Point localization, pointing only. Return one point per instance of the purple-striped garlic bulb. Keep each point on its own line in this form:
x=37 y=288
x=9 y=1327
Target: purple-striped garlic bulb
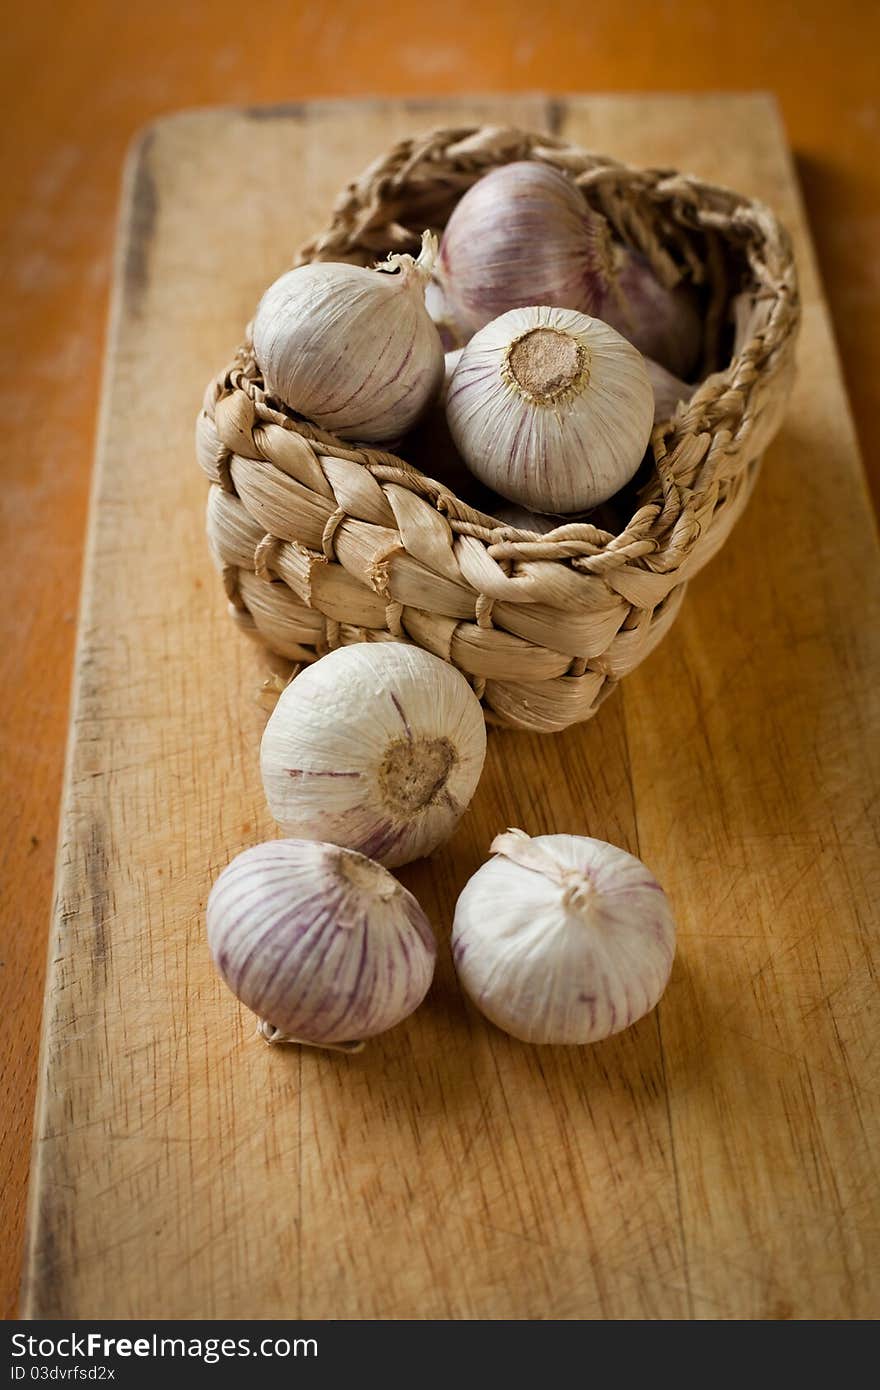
x=325 y=946
x=523 y=234
x=663 y=324
x=352 y=349
x=562 y=939
x=379 y=747
x=550 y=409
x=668 y=390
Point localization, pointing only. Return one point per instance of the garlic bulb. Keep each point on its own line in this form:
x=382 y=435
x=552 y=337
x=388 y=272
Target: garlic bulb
x=543 y=523
x=378 y=747
x=522 y=235
x=430 y=449
x=524 y=520
x=353 y=350
x=551 y=409
x=451 y=360
x=663 y=324
x=562 y=939
x=325 y=946
x=452 y=335
x=668 y=390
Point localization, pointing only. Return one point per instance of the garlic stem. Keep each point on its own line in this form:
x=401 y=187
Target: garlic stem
x=420 y=267
x=578 y=889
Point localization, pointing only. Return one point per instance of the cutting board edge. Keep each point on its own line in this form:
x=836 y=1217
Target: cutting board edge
x=555 y=104
x=124 y=236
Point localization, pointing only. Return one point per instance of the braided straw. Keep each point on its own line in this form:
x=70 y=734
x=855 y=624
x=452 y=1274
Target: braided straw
x=321 y=543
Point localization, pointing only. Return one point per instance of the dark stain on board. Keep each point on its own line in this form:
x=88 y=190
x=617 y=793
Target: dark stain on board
x=280 y=111
x=554 y=116
x=98 y=902
x=142 y=224
x=52 y=1259
x=50 y=1241
x=42 y=1292
x=423 y=108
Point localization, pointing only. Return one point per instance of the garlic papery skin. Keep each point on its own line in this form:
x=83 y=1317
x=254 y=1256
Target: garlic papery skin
x=663 y=324
x=523 y=234
x=562 y=939
x=451 y=360
x=378 y=747
x=452 y=335
x=351 y=349
x=551 y=409
x=325 y=946
x=668 y=390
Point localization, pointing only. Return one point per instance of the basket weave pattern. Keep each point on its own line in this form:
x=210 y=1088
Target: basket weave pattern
x=321 y=542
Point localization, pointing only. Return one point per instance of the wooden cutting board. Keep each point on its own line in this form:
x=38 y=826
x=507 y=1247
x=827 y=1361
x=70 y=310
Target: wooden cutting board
x=715 y=1160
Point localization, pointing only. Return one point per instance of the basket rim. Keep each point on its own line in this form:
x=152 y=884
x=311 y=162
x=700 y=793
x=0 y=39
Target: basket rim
x=679 y=484
x=725 y=212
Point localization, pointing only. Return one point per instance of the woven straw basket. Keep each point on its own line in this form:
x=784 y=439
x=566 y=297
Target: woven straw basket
x=322 y=543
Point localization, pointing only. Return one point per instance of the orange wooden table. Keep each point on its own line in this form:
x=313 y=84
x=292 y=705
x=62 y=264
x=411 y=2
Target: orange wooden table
x=80 y=80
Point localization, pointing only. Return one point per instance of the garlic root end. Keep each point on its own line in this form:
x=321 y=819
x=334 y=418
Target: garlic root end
x=274 y=1036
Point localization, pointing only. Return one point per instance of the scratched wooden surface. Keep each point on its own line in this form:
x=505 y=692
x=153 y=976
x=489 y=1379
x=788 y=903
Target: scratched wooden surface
x=716 y=1160
x=79 y=80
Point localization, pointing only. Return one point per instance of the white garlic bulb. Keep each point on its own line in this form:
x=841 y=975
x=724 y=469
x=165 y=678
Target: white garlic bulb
x=378 y=747
x=351 y=349
x=325 y=946
x=551 y=409
x=562 y=939
x=523 y=234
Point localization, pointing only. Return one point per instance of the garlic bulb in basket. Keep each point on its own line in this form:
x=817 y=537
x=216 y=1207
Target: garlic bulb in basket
x=550 y=408
x=324 y=945
x=668 y=390
x=523 y=234
x=378 y=747
x=452 y=335
x=524 y=520
x=562 y=939
x=451 y=360
x=663 y=324
x=353 y=350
